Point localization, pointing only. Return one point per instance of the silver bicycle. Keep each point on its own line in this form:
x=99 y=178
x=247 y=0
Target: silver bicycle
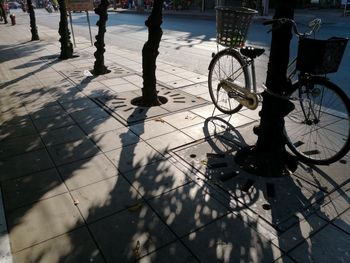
x=318 y=129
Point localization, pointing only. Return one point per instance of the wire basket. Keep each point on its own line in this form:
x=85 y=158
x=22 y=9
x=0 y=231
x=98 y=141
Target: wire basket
x=318 y=56
x=232 y=24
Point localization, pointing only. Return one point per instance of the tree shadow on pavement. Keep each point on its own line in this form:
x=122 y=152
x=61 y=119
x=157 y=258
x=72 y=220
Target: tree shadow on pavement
x=284 y=211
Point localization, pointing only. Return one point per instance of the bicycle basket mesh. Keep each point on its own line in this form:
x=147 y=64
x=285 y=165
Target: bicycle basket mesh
x=232 y=25
x=318 y=56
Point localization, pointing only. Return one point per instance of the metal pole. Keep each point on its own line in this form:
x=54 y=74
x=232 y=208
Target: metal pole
x=88 y=19
x=71 y=27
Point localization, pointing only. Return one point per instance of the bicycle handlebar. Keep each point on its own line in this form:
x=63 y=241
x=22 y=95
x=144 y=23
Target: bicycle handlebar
x=313 y=24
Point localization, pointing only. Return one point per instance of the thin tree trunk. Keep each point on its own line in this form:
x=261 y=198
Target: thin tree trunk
x=66 y=44
x=99 y=65
x=34 y=29
x=149 y=55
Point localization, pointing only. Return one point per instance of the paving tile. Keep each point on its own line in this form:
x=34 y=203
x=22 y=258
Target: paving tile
x=47 y=112
x=139 y=232
x=169 y=141
x=124 y=87
x=151 y=129
x=62 y=135
x=115 y=139
x=101 y=125
x=43 y=220
x=73 y=151
x=188 y=204
x=196 y=89
x=20 y=145
x=229 y=239
x=88 y=115
x=55 y=122
x=87 y=171
x=343 y=221
x=105 y=198
x=133 y=156
x=156 y=178
x=183 y=119
x=175 y=252
x=206 y=111
x=76 y=246
x=31 y=188
x=16 y=128
x=24 y=164
x=336 y=206
x=298 y=233
x=80 y=104
x=329 y=177
x=318 y=248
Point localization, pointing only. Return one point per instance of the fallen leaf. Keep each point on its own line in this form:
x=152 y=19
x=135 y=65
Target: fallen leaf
x=135 y=208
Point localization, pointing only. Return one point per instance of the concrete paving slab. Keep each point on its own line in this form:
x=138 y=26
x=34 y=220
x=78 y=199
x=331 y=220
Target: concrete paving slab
x=343 y=221
x=89 y=115
x=100 y=125
x=166 y=142
x=104 y=198
x=196 y=89
x=114 y=139
x=62 y=135
x=183 y=119
x=44 y=220
x=319 y=249
x=339 y=202
x=16 y=128
x=80 y=104
x=133 y=156
x=24 y=164
x=229 y=239
x=139 y=232
x=51 y=123
x=45 y=112
x=325 y=176
x=175 y=208
x=31 y=188
x=87 y=171
x=172 y=253
x=174 y=84
x=19 y=145
x=76 y=246
x=157 y=178
x=298 y=233
x=73 y=151
x=151 y=129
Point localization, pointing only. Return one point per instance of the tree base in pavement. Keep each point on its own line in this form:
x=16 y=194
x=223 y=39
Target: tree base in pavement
x=101 y=71
x=266 y=164
x=140 y=102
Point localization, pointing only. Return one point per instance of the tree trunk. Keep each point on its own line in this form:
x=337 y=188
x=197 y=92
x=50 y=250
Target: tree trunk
x=149 y=56
x=99 y=65
x=34 y=29
x=66 y=44
x=269 y=156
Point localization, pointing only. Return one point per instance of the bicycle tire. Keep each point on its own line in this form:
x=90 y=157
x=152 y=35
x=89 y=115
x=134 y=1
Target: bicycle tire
x=318 y=130
x=221 y=67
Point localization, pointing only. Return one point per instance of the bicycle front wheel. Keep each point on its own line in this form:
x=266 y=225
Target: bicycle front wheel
x=227 y=65
x=318 y=130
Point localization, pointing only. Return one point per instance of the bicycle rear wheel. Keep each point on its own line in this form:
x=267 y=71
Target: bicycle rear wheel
x=318 y=130
x=226 y=65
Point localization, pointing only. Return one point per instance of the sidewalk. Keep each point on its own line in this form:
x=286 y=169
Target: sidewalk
x=88 y=177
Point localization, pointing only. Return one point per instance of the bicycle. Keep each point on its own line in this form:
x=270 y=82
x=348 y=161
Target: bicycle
x=317 y=131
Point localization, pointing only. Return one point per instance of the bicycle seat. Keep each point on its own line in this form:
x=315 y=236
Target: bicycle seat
x=251 y=52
